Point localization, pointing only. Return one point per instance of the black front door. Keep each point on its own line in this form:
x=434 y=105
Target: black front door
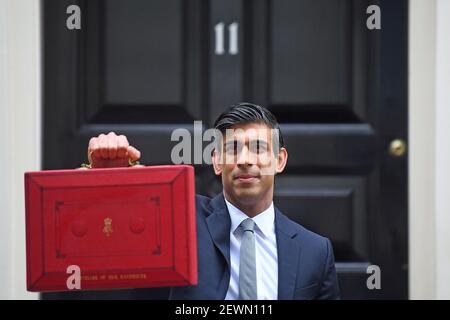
x=146 y=67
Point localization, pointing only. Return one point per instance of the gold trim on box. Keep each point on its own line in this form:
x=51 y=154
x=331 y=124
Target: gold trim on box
x=107 y=228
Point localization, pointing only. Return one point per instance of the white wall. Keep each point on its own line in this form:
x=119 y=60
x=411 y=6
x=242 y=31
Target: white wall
x=20 y=139
x=429 y=149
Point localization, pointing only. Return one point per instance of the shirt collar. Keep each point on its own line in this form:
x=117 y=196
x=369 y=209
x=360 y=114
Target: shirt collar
x=264 y=220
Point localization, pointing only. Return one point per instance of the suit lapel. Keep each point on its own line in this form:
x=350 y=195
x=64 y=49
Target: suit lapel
x=288 y=255
x=219 y=224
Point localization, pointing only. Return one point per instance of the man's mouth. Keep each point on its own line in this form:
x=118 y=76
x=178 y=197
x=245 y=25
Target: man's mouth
x=246 y=178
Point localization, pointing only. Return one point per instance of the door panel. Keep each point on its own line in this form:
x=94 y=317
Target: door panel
x=310 y=49
x=332 y=206
x=143 y=67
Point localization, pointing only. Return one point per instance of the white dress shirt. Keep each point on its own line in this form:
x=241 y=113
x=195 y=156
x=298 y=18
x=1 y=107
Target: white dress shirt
x=266 y=253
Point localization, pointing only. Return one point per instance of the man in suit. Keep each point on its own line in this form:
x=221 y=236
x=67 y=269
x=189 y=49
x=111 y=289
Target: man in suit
x=247 y=248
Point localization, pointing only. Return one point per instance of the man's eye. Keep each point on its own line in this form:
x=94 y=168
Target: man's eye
x=232 y=148
x=258 y=147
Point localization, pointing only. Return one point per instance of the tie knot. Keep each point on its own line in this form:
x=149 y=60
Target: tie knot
x=248 y=225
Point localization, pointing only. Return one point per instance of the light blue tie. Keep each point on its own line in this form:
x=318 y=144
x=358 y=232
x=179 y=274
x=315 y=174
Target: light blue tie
x=247 y=264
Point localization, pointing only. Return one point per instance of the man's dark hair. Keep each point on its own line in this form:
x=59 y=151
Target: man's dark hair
x=245 y=112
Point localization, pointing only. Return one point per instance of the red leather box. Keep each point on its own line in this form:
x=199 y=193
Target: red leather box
x=123 y=227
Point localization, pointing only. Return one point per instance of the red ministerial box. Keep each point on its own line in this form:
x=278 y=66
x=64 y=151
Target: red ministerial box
x=123 y=228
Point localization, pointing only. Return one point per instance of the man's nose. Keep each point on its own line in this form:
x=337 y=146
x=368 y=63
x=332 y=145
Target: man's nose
x=245 y=157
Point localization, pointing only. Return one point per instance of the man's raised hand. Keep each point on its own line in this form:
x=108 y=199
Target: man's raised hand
x=111 y=150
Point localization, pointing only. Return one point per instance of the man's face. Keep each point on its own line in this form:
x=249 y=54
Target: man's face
x=248 y=163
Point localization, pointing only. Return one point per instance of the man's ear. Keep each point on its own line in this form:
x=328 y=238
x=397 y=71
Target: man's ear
x=217 y=165
x=281 y=160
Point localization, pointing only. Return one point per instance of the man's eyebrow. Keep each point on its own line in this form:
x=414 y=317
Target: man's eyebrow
x=260 y=141
x=232 y=142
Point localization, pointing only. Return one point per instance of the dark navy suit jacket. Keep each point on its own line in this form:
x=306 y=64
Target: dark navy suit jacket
x=305 y=260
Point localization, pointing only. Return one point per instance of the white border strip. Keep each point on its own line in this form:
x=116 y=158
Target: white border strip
x=421 y=157
x=443 y=149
